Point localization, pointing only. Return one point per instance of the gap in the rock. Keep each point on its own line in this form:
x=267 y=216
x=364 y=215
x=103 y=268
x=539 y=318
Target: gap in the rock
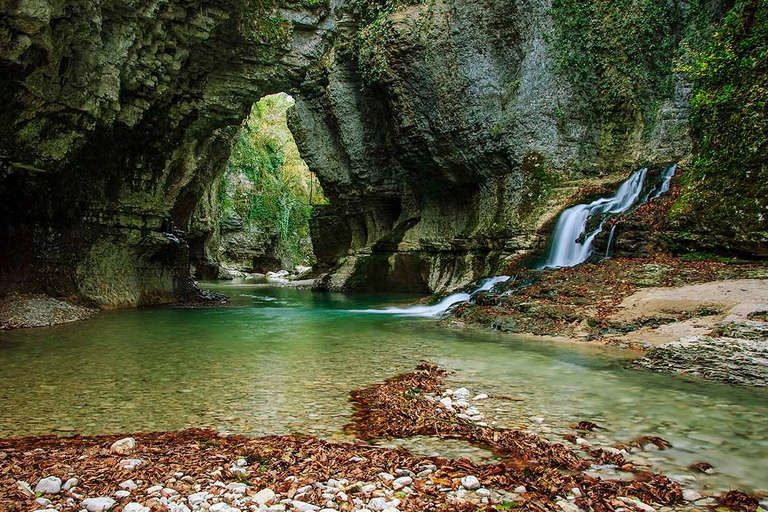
x=254 y=219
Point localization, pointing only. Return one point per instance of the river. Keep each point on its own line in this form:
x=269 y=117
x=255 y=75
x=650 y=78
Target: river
x=283 y=360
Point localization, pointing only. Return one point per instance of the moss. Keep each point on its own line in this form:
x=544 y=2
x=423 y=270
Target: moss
x=726 y=186
x=619 y=56
x=372 y=37
x=539 y=183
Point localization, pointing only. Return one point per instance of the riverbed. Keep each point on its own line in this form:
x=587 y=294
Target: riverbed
x=282 y=360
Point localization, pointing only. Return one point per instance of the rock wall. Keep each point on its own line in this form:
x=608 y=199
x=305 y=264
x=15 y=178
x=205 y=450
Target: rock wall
x=446 y=134
x=445 y=167
x=116 y=116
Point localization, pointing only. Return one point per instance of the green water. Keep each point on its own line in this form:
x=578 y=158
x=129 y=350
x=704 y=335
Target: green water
x=284 y=360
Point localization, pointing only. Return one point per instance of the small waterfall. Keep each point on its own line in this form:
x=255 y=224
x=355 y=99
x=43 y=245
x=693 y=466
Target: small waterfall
x=666 y=183
x=609 y=245
x=571 y=244
x=443 y=306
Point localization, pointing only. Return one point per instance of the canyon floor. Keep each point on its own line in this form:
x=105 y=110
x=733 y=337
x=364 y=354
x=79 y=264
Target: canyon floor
x=202 y=470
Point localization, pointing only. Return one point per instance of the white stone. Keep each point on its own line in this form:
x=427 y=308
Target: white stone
x=461 y=393
x=43 y=502
x=49 y=485
x=567 y=506
x=263 y=497
x=130 y=463
x=691 y=495
x=135 y=507
x=46 y=510
x=481 y=396
x=520 y=489
x=98 y=504
x=122 y=494
x=69 y=484
x=123 y=446
x=447 y=402
x=128 y=485
x=377 y=504
x=470 y=482
x=154 y=489
x=401 y=482
x=483 y=492
x=197 y=498
x=237 y=487
x=302 y=506
x=385 y=477
x=368 y=488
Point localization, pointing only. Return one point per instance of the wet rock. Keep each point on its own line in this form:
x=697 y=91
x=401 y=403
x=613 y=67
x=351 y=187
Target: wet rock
x=49 y=485
x=461 y=394
x=691 y=495
x=637 y=504
x=736 y=361
x=123 y=446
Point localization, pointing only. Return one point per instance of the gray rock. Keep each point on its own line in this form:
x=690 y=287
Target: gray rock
x=49 y=485
x=735 y=361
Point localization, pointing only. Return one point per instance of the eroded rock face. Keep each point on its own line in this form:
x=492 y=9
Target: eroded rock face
x=115 y=117
x=445 y=168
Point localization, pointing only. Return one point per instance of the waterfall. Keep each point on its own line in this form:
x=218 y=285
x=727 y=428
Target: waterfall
x=609 y=245
x=571 y=243
x=444 y=305
x=666 y=182
x=571 y=240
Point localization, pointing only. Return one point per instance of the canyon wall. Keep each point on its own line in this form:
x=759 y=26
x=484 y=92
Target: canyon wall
x=447 y=134
x=116 y=116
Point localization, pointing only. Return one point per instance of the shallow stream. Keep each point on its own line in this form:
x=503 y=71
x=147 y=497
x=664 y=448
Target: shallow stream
x=284 y=360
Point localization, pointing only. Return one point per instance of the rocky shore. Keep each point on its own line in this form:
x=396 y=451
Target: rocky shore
x=19 y=311
x=202 y=470
x=671 y=306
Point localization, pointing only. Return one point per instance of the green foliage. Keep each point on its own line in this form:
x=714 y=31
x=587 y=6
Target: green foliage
x=618 y=54
x=261 y=184
x=726 y=187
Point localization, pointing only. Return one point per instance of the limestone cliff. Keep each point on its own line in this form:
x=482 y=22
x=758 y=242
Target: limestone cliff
x=447 y=133
x=116 y=115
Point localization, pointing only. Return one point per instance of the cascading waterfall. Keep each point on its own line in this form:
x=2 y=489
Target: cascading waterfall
x=571 y=244
x=444 y=305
